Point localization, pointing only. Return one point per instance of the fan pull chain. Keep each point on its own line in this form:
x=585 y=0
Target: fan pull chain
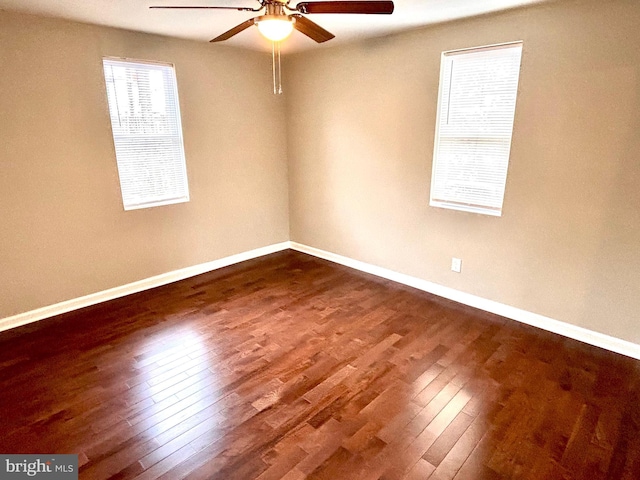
x=279 y=72
x=276 y=68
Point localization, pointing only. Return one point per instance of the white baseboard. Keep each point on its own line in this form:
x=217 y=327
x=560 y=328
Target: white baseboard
x=568 y=330
x=135 y=287
x=562 y=328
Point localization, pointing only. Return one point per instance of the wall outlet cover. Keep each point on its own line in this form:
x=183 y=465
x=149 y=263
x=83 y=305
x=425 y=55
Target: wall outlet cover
x=456 y=265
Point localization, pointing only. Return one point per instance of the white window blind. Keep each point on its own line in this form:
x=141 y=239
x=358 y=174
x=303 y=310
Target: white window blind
x=147 y=133
x=476 y=107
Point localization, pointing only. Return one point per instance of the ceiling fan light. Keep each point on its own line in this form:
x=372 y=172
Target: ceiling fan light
x=275 y=27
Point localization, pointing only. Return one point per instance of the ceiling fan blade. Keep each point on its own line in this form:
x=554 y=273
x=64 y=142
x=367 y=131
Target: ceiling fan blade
x=240 y=9
x=235 y=30
x=311 y=29
x=372 y=7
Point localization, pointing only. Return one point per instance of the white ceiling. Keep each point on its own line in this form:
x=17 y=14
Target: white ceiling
x=202 y=25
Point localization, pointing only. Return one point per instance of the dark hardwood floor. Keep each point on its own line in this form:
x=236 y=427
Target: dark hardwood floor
x=292 y=367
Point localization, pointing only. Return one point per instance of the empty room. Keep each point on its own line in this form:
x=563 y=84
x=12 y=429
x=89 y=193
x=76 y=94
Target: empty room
x=339 y=239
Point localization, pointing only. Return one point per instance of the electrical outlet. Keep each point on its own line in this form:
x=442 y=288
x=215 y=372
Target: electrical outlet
x=456 y=265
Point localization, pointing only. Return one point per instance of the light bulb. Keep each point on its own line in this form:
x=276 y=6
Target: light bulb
x=275 y=27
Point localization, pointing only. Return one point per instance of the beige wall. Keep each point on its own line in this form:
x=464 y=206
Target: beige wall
x=63 y=231
x=361 y=122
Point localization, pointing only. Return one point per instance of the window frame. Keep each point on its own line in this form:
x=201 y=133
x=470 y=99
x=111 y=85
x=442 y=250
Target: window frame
x=166 y=199
x=451 y=204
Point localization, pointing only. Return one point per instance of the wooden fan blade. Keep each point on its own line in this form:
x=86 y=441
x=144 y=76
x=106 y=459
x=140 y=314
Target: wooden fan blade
x=367 y=7
x=240 y=9
x=235 y=30
x=311 y=29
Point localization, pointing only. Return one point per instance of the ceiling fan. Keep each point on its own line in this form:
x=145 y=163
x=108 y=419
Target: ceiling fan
x=280 y=17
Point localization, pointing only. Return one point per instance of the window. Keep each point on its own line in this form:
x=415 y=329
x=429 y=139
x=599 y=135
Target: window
x=476 y=107
x=145 y=120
